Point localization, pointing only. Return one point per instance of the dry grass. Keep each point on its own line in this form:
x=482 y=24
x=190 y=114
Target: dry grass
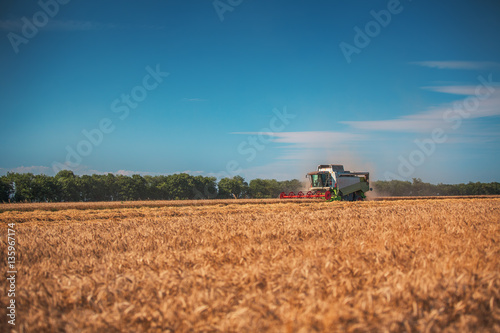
x=434 y=197
x=423 y=265
x=55 y=206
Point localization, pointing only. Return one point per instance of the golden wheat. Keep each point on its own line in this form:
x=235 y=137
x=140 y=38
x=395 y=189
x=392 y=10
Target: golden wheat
x=423 y=265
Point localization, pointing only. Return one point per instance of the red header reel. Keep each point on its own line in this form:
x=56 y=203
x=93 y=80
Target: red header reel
x=309 y=195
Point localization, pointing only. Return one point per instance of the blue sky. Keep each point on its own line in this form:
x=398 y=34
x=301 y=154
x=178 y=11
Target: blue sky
x=266 y=89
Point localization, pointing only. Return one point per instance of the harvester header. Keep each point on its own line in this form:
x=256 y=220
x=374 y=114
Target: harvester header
x=332 y=182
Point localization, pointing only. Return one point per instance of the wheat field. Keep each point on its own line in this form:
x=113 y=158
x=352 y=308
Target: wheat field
x=383 y=266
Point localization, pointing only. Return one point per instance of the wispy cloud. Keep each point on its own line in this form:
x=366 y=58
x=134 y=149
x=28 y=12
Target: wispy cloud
x=131 y=172
x=436 y=117
x=35 y=169
x=455 y=90
x=86 y=170
x=148 y=173
x=307 y=139
x=403 y=124
x=470 y=65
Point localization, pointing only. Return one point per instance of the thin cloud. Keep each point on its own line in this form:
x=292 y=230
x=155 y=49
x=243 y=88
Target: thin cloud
x=307 y=139
x=35 y=169
x=147 y=173
x=86 y=170
x=468 y=65
x=129 y=173
x=403 y=124
x=436 y=117
x=455 y=90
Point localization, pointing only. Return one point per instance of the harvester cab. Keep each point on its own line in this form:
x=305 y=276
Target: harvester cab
x=332 y=182
x=320 y=179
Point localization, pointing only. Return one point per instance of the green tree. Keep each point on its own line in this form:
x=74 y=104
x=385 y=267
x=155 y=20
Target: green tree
x=87 y=188
x=293 y=185
x=69 y=185
x=5 y=189
x=205 y=187
x=21 y=185
x=126 y=188
x=93 y=188
x=99 y=188
x=161 y=184
x=111 y=187
x=44 y=188
x=180 y=186
x=235 y=187
x=139 y=184
x=264 y=188
x=151 y=190
x=393 y=187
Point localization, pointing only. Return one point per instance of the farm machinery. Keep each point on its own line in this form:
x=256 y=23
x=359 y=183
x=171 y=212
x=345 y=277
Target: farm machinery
x=332 y=182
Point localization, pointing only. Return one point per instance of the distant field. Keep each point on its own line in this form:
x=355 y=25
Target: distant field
x=54 y=206
x=254 y=266
x=439 y=197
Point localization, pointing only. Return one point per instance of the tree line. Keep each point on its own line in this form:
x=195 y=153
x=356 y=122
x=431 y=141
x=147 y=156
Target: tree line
x=418 y=188
x=68 y=187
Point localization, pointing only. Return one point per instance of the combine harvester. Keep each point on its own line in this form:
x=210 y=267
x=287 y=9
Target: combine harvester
x=333 y=183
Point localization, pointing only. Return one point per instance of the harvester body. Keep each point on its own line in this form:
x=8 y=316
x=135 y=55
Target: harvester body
x=332 y=182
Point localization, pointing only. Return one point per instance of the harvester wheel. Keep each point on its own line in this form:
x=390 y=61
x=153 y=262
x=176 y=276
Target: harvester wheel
x=357 y=197
x=328 y=195
x=309 y=193
x=300 y=194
